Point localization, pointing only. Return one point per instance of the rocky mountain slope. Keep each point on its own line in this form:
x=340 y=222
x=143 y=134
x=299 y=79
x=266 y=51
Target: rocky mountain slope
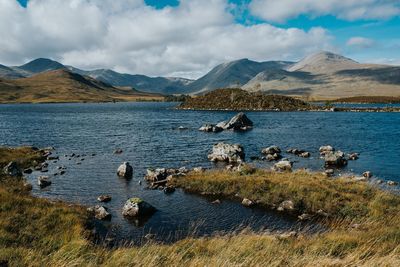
x=64 y=86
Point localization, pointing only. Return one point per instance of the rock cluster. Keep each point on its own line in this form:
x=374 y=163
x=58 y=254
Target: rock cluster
x=272 y=153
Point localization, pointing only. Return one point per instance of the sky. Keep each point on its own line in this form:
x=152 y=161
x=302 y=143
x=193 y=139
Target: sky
x=186 y=38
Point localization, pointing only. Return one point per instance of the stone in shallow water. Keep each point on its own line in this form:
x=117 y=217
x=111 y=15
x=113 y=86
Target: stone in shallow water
x=227 y=152
x=125 y=170
x=100 y=212
x=44 y=181
x=137 y=207
x=104 y=198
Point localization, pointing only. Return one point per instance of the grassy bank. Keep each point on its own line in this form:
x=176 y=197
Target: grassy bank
x=37 y=232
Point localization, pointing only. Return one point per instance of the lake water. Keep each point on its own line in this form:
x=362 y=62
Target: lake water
x=149 y=136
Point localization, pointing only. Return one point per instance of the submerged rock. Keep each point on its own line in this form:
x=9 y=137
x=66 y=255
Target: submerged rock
x=283 y=165
x=335 y=159
x=12 y=169
x=137 y=207
x=118 y=151
x=104 y=198
x=227 y=152
x=100 y=212
x=125 y=170
x=353 y=156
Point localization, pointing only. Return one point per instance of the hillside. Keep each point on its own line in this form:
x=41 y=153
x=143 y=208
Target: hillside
x=233 y=74
x=326 y=76
x=237 y=99
x=64 y=86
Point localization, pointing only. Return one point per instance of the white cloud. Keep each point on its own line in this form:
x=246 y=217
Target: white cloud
x=360 y=42
x=281 y=10
x=132 y=37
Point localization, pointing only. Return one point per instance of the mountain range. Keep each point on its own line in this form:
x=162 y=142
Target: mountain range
x=323 y=75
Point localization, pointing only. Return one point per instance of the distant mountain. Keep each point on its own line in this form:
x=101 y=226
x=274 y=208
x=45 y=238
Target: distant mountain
x=141 y=82
x=329 y=76
x=41 y=65
x=233 y=74
x=9 y=73
x=64 y=86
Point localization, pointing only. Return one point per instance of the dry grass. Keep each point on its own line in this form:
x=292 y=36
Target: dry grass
x=36 y=232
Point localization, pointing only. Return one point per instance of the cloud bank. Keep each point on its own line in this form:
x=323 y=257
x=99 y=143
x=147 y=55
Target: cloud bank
x=130 y=36
x=282 y=10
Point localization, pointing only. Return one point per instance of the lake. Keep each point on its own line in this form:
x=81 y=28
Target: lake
x=149 y=136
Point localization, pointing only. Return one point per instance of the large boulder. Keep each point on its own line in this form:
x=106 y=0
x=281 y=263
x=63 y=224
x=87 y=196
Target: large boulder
x=283 y=165
x=227 y=152
x=12 y=169
x=239 y=122
x=336 y=159
x=100 y=212
x=135 y=207
x=125 y=170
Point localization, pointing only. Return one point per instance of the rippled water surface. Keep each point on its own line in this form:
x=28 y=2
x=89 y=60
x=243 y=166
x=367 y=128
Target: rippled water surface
x=149 y=136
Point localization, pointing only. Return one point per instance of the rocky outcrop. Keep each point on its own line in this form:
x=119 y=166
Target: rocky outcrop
x=239 y=122
x=43 y=181
x=125 y=170
x=12 y=169
x=100 y=212
x=227 y=153
x=336 y=159
x=135 y=207
x=283 y=165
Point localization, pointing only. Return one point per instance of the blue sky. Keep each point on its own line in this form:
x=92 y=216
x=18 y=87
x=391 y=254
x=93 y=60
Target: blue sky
x=367 y=31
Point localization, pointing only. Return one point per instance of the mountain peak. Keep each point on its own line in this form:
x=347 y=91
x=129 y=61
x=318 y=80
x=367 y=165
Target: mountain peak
x=41 y=65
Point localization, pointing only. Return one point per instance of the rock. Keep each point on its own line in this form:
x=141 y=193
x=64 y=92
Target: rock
x=155 y=175
x=379 y=181
x=367 y=174
x=271 y=150
x=287 y=235
x=118 y=151
x=137 y=207
x=12 y=169
x=295 y=151
x=44 y=181
x=283 y=165
x=169 y=189
x=62 y=172
x=227 y=152
x=353 y=156
x=217 y=201
x=286 y=205
x=198 y=169
x=239 y=122
x=247 y=202
x=322 y=213
x=392 y=183
x=359 y=179
x=28 y=171
x=329 y=172
x=305 y=155
x=100 y=212
x=104 y=198
x=27 y=186
x=335 y=159
x=304 y=217
x=52 y=158
x=125 y=170
x=273 y=157
x=211 y=128
x=326 y=149
x=182 y=128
